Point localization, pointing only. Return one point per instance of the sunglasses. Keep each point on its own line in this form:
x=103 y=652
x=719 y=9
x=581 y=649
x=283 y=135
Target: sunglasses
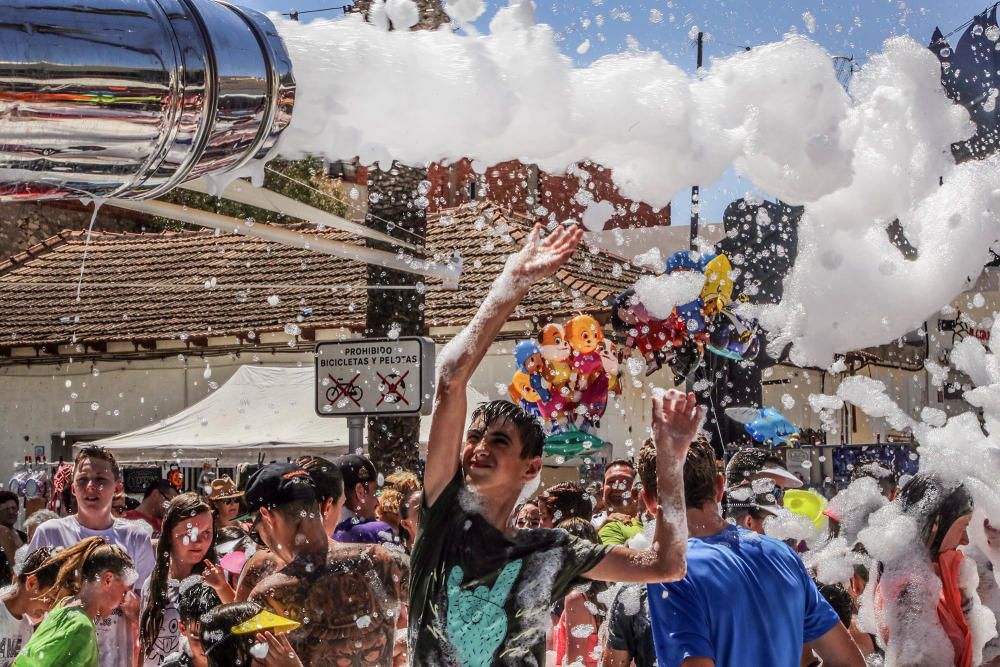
x=254 y=534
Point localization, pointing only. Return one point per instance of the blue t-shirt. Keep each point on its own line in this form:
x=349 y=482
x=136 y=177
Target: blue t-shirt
x=746 y=601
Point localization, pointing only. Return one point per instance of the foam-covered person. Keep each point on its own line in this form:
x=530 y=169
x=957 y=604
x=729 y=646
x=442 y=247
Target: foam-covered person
x=479 y=595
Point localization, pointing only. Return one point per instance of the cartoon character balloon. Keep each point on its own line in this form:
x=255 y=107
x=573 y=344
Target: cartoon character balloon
x=531 y=362
x=585 y=335
x=680 y=339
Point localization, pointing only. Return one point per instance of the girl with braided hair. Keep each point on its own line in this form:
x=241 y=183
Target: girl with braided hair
x=92 y=581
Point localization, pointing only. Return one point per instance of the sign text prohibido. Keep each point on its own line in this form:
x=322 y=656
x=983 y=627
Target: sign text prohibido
x=375 y=377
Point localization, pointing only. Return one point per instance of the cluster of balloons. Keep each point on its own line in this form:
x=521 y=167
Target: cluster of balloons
x=709 y=321
x=566 y=376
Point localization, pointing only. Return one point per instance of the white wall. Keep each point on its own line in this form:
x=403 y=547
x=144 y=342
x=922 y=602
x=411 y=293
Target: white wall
x=128 y=395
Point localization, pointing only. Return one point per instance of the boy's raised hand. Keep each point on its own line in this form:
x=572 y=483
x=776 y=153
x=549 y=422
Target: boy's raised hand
x=676 y=417
x=541 y=257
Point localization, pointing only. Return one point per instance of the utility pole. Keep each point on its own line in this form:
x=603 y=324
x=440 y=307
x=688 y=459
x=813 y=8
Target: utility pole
x=695 y=194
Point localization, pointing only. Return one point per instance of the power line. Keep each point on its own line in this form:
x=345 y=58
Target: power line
x=972 y=20
x=294 y=14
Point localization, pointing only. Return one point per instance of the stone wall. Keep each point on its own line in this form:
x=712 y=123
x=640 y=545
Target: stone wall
x=24 y=224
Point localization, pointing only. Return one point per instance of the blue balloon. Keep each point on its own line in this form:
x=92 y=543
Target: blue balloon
x=771 y=426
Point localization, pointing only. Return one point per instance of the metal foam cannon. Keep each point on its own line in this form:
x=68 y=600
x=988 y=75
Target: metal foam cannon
x=130 y=98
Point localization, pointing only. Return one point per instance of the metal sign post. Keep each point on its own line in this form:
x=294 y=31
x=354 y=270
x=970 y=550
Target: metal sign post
x=357 y=378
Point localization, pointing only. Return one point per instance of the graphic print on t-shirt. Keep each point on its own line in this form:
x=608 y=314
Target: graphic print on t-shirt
x=9 y=648
x=477 y=620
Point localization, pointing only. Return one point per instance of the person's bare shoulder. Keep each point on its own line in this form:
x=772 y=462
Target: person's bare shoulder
x=390 y=565
x=284 y=594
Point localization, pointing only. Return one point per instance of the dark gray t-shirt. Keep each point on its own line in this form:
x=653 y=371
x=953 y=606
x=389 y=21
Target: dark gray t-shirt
x=479 y=599
x=628 y=625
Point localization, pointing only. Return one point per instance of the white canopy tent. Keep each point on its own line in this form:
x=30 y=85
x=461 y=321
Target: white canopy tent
x=260 y=409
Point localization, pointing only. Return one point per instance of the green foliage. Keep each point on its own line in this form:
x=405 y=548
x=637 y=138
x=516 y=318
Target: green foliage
x=315 y=189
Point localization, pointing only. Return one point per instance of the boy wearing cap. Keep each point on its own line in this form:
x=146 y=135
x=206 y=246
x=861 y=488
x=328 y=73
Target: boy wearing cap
x=347 y=598
x=358 y=520
x=481 y=591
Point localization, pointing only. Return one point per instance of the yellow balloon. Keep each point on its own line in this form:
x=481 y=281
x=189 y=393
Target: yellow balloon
x=718 y=289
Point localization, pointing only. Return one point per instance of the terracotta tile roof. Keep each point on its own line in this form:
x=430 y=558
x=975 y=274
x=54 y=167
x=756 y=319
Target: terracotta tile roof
x=153 y=286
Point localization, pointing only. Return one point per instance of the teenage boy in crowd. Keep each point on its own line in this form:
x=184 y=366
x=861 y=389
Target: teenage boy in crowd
x=96 y=479
x=347 y=598
x=358 y=519
x=747 y=599
x=481 y=591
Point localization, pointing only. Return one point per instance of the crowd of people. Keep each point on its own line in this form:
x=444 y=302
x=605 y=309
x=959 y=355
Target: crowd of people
x=320 y=562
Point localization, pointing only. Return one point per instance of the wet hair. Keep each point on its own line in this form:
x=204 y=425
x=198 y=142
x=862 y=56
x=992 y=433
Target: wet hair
x=529 y=429
x=222 y=647
x=195 y=598
x=326 y=477
x=580 y=527
x=161 y=485
x=100 y=454
x=84 y=561
x=934 y=506
x=567 y=500
x=34 y=565
x=840 y=600
x=183 y=507
x=699 y=471
x=745 y=464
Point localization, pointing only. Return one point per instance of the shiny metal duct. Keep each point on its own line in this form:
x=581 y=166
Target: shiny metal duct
x=130 y=98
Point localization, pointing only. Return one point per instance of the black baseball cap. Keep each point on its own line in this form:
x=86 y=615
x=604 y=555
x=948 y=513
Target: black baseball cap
x=278 y=484
x=356 y=469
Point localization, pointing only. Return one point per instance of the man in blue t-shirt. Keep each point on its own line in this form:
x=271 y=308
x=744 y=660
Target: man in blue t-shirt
x=746 y=600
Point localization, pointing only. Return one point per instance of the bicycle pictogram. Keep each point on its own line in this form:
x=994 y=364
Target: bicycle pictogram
x=345 y=389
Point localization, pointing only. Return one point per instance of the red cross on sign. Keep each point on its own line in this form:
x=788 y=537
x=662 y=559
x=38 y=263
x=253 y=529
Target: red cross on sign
x=346 y=389
x=391 y=389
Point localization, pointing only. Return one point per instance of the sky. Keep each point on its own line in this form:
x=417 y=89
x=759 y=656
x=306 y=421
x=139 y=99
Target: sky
x=589 y=29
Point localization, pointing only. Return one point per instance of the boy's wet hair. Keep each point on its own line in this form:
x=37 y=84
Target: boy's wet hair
x=529 y=429
x=196 y=598
x=101 y=454
x=699 y=471
x=222 y=647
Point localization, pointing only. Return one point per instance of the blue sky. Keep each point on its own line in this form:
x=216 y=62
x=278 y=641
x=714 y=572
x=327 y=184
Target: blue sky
x=846 y=28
